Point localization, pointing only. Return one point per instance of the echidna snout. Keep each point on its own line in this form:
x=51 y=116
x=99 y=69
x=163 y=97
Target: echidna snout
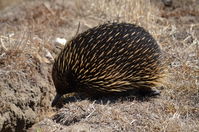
x=110 y=58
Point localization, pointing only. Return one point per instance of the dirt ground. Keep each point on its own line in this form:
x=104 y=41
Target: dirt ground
x=27 y=39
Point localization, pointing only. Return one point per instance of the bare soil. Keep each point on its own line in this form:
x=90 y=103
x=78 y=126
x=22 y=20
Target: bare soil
x=27 y=34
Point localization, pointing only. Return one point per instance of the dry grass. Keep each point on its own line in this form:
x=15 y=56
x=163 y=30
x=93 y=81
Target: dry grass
x=27 y=35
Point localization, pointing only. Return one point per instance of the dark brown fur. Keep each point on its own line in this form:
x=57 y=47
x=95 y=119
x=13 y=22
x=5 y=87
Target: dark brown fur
x=113 y=57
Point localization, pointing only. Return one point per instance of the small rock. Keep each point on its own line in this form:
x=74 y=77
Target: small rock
x=167 y=2
x=49 y=56
x=61 y=41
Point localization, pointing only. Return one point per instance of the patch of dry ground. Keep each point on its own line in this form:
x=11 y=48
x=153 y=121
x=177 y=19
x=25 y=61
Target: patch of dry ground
x=27 y=32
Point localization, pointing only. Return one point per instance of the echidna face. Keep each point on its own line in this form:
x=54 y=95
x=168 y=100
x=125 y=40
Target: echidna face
x=62 y=86
x=63 y=82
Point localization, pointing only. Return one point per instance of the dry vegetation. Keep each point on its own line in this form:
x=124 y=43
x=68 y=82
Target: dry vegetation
x=26 y=90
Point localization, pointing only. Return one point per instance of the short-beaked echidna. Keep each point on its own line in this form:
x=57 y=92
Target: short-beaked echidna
x=113 y=57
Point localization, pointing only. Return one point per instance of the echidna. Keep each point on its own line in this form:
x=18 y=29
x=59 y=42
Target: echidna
x=110 y=58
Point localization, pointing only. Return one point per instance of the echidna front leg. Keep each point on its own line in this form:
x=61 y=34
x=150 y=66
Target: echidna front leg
x=146 y=91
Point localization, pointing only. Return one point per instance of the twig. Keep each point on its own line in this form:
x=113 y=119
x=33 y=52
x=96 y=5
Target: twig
x=3 y=46
x=78 y=27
